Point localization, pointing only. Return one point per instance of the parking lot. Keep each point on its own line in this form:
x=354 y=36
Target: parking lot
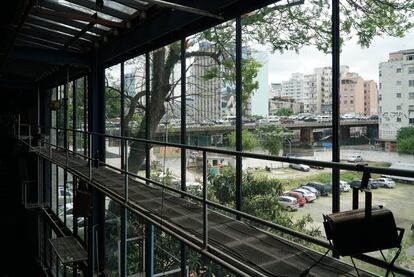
x=399 y=200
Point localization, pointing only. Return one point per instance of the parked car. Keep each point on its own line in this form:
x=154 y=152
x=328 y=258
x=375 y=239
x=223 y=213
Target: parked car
x=299 y=197
x=343 y=186
x=288 y=203
x=301 y=167
x=311 y=189
x=61 y=195
x=321 y=187
x=309 y=196
x=355 y=158
x=385 y=182
x=357 y=184
x=316 y=166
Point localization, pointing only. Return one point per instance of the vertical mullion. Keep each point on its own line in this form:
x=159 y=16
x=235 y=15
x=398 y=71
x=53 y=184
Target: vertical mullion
x=238 y=114
x=183 y=140
x=147 y=113
x=85 y=119
x=75 y=113
x=149 y=234
x=124 y=211
x=335 y=103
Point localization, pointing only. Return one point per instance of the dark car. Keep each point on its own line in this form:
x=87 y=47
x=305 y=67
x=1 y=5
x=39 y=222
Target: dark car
x=357 y=184
x=321 y=187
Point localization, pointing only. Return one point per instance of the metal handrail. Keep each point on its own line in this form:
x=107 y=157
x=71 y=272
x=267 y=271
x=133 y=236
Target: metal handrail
x=333 y=165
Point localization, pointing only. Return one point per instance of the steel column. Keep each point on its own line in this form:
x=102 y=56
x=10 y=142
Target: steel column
x=149 y=250
x=124 y=165
x=75 y=113
x=335 y=104
x=149 y=230
x=183 y=140
x=239 y=114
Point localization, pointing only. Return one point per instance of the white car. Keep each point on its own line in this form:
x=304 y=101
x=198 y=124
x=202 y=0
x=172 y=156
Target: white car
x=309 y=196
x=385 y=182
x=289 y=203
x=301 y=167
x=355 y=158
x=344 y=186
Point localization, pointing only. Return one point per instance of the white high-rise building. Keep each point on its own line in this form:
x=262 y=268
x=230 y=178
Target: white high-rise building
x=396 y=94
x=259 y=98
x=317 y=90
x=293 y=88
x=204 y=94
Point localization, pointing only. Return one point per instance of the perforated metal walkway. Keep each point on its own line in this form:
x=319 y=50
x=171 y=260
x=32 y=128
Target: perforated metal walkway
x=269 y=254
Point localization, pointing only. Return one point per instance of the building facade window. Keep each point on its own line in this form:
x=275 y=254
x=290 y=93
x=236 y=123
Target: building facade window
x=398 y=95
x=411 y=95
x=411 y=120
x=398 y=107
x=398 y=119
x=411 y=70
x=398 y=70
x=398 y=83
x=411 y=83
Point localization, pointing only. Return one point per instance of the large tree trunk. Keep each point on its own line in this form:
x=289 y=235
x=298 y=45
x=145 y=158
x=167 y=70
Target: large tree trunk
x=163 y=63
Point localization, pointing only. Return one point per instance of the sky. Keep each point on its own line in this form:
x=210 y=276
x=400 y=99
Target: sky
x=362 y=61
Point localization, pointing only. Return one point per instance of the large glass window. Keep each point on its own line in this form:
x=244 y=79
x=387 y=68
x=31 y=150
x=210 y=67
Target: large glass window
x=113 y=115
x=112 y=236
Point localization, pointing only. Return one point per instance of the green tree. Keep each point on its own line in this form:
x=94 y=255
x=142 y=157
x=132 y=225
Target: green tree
x=249 y=142
x=271 y=137
x=284 y=112
x=405 y=140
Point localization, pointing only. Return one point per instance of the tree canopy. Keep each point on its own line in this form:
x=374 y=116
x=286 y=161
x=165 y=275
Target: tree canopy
x=271 y=137
x=405 y=140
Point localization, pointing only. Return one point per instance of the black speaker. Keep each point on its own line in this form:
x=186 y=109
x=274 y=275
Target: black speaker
x=362 y=230
x=351 y=232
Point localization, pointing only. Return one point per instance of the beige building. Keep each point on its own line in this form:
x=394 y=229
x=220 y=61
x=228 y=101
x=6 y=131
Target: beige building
x=370 y=98
x=276 y=103
x=352 y=93
x=357 y=95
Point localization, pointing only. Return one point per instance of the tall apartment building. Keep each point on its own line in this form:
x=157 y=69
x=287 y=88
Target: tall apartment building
x=370 y=98
x=293 y=88
x=205 y=94
x=396 y=94
x=352 y=94
x=317 y=90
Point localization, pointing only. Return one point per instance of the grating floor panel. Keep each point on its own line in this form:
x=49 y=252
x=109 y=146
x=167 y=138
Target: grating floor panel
x=272 y=255
x=68 y=249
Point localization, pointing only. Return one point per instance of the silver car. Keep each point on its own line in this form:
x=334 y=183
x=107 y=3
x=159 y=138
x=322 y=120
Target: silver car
x=289 y=203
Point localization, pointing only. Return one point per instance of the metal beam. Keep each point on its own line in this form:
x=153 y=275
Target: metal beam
x=80 y=34
x=58 y=27
x=25 y=14
x=105 y=10
x=72 y=23
x=76 y=15
x=166 y=4
x=56 y=57
x=132 y=4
